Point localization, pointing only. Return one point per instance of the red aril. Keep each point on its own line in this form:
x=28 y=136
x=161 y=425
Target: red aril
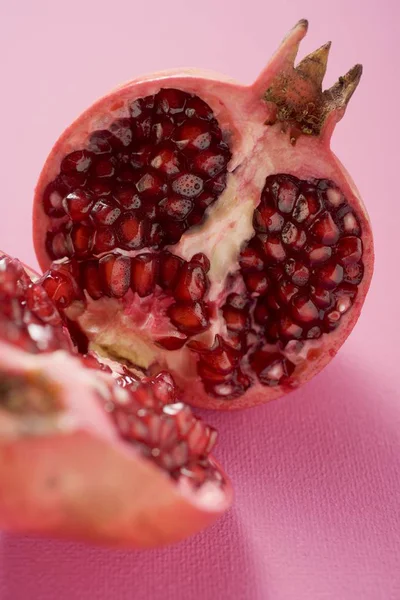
x=216 y=216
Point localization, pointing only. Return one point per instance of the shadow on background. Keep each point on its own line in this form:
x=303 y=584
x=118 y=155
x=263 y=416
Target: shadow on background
x=317 y=478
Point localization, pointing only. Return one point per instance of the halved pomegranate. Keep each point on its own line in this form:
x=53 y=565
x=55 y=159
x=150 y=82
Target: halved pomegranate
x=91 y=449
x=197 y=225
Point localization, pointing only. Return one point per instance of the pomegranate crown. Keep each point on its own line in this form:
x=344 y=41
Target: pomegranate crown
x=300 y=104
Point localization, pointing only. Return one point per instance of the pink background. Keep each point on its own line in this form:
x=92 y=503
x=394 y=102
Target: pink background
x=317 y=475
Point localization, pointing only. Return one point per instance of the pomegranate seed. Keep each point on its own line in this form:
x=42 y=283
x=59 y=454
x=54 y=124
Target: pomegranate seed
x=197 y=438
x=170 y=266
x=273 y=249
x=271 y=368
x=140 y=157
x=345 y=295
x=191 y=284
x=353 y=273
x=314 y=333
x=115 y=274
x=156 y=235
x=194 y=134
x=189 y=318
x=131 y=232
x=261 y=312
x=236 y=320
x=289 y=330
x=334 y=196
x=164 y=388
x=72 y=181
x=188 y=185
x=151 y=185
x=256 y=282
x=176 y=207
x=127 y=197
x=40 y=305
x=171 y=101
x=250 y=258
x=126 y=175
x=318 y=254
x=105 y=168
x=144 y=274
x=99 y=187
x=138 y=107
x=104 y=240
x=220 y=357
x=77 y=204
x=349 y=249
x=77 y=162
x=329 y=275
x=171 y=343
x=321 y=297
x=286 y=291
x=60 y=288
x=105 y=212
x=350 y=224
x=325 y=230
x=304 y=310
x=122 y=131
x=298 y=273
x=211 y=162
x=202 y=260
x=267 y=219
x=101 y=142
x=162 y=129
x=82 y=239
x=166 y=159
x=286 y=196
x=58 y=244
x=195 y=107
x=90 y=279
x=209 y=375
x=52 y=199
x=184 y=418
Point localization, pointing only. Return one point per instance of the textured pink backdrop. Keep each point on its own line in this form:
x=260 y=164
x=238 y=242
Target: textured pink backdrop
x=317 y=475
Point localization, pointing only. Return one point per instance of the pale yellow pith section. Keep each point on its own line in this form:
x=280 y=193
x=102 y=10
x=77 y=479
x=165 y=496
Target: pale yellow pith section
x=114 y=335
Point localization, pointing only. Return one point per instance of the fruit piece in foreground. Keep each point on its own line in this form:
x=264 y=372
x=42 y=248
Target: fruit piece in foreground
x=206 y=227
x=88 y=451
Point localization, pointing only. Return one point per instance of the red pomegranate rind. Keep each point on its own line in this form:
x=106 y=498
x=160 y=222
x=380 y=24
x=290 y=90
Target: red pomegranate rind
x=84 y=453
x=274 y=260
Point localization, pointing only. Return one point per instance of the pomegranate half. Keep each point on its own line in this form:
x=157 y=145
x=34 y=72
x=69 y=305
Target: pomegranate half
x=192 y=224
x=88 y=450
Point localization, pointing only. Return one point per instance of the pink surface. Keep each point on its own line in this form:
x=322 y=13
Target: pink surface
x=317 y=475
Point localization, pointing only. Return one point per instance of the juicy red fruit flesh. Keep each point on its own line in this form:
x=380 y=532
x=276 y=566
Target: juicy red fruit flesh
x=147 y=179
x=301 y=272
x=308 y=247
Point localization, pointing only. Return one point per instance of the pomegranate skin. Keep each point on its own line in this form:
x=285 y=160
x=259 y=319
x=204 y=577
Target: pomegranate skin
x=263 y=141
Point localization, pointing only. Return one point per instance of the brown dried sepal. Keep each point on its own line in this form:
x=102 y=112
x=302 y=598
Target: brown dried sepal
x=301 y=105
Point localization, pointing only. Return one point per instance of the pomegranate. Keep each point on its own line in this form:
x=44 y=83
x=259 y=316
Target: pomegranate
x=91 y=449
x=192 y=224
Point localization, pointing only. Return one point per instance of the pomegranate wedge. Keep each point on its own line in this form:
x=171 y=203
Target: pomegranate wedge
x=93 y=450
